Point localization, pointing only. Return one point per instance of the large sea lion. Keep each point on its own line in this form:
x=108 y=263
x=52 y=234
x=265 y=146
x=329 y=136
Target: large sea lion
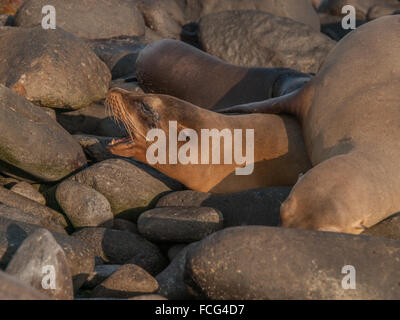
x=350 y=114
x=174 y=68
x=279 y=151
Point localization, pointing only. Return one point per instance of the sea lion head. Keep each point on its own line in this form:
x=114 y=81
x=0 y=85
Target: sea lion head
x=137 y=114
x=140 y=113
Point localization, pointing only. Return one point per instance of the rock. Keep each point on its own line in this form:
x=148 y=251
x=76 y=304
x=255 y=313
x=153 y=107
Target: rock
x=125 y=225
x=19 y=215
x=252 y=207
x=28 y=191
x=389 y=228
x=152 y=263
x=363 y=7
x=100 y=273
x=84 y=206
x=171 y=280
x=54 y=69
x=151 y=297
x=15 y=200
x=174 y=250
x=129 y=186
x=90 y=19
x=265 y=263
x=14 y=289
x=297 y=10
x=32 y=145
x=39 y=261
x=162 y=16
x=95 y=147
x=119 y=54
x=79 y=256
x=128 y=281
x=113 y=246
x=253 y=38
x=179 y=224
x=93 y=120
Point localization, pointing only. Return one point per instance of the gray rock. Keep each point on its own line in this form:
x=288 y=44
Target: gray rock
x=297 y=10
x=129 y=186
x=174 y=250
x=125 y=225
x=388 y=228
x=32 y=262
x=14 y=289
x=84 y=206
x=19 y=215
x=91 y=19
x=79 y=256
x=259 y=39
x=152 y=263
x=252 y=207
x=171 y=280
x=100 y=273
x=32 y=145
x=179 y=224
x=15 y=200
x=95 y=147
x=113 y=246
x=164 y=17
x=119 y=54
x=54 y=68
x=94 y=120
x=265 y=263
x=128 y=281
x=28 y=191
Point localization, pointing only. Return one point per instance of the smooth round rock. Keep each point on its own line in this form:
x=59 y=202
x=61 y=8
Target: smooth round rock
x=90 y=19
x=259 y=39
x=100 y=273
x=179 y=224
x=22 y=216
x=54 y=68
x=130 y=187
x=125 y=225
x=113 y=246
x=13 y=289
x=265 y=263
x=152 y=263
x=251 y=207
x=84 y=206
x=32 y=145
x=40 y=257
x=128 y=281
x=28 y=191
x=388 y=228
x=79 y=255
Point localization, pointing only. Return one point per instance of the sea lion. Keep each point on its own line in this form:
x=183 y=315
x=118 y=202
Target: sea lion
x=174 y=68
x=350 y=114
x=279 y=152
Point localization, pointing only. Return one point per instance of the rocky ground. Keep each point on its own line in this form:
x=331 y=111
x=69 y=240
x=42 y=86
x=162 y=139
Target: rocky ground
x=111 y=227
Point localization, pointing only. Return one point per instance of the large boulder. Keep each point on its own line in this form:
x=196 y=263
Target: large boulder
x=260 y=39
x=33 y=145
x=298 y=10
x=51 y=68
x=277 y=263
x=91 y=19
x=129 y=186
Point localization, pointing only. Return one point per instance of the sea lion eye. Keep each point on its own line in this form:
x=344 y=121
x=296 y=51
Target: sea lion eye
x=146 y=109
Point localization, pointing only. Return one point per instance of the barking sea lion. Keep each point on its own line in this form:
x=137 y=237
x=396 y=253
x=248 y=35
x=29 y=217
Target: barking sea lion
x=279 y=151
